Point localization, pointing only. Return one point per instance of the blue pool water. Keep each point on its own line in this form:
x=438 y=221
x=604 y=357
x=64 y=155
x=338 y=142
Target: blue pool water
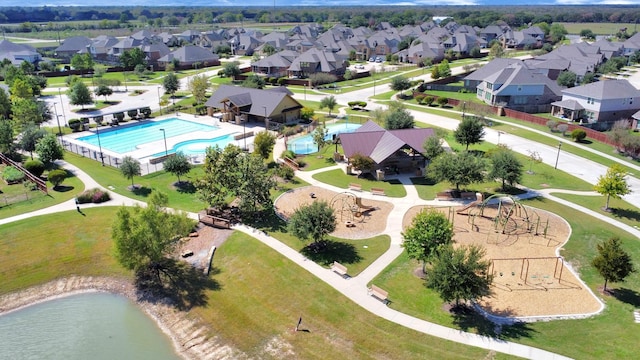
x=127 y=138
x=199 y=146
x=304 y=144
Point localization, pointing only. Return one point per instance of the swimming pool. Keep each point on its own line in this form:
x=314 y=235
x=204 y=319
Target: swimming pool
x=199 y=146
x=305 y=145
x=128 y=138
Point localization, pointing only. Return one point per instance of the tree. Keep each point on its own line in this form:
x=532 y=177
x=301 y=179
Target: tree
x=103 y=90
x=429 y=231
x=314 y=221
x=612 y=262
x=129 y=168
x=198 y=85
x=319 y=136
x=231 y=69
x=443 y=69
x=435 y=73
x=130 y=58
x=178 y=164
x=30 y=136
x=567 y=78
x=56 y=177
x=400 y=83
x=82 y=62
x=505 y=166
x=171 y=84
x=460 y=274
x=268 y=49
x=398 y=117
x=458 y=169
x=613 y=184
x=145 y=237
x=469 y=131
x=496 y=50
x=328 y=102
x=254 y=81
x=557 y=32
x=79 y=94
x=588 y=78
x=26 y=111
x=587 y=34
x=49 y=150
x=433 y=147
x=5 y=105
x=263 y=144
x=6 y=137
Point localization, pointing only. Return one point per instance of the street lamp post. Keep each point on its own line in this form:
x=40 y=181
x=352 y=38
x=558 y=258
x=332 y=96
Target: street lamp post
x=159 y=100
x=55 y=112
x=62 y=106
x=558 y=156
x=305 y=92
x=99 y=144
x=464 y=108
x=164 y=135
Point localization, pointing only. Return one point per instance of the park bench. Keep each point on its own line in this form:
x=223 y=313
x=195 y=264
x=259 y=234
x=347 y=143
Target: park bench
x=379 y=294
x=377 y=191
x=214 y=221
x=355 y=187
x=339 y=269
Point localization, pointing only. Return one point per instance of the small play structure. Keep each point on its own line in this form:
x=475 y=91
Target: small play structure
x=348 y=207
x=508 y=216
x=544 y=273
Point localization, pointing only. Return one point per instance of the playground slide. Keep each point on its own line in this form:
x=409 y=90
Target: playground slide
x=468 y=206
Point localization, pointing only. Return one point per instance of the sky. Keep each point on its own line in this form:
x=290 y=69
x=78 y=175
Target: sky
x=282 y=3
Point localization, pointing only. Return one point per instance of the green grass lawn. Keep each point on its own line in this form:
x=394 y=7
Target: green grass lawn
x=337 y=177
x=568 y=337
x=45 y=248
x=620 y=210
x=111 y=178
x=16 y=199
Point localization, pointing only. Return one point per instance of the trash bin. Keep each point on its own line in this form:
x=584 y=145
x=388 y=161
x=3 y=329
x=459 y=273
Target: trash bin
x=380 y=175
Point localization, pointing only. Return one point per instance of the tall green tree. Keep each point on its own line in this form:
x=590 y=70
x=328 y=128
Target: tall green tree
x=82 y=62
x=319 y=136
x=6 y=137
x=129 y=168
x=198 y=85
x=145 y=237
x=263 y=144
x=433 y=147
x=328 y=102
x=178 y=164
x=171 y=84
x=398 y=117
x=460 y=274
x=30 y=136
x=49 y=150
x=231 y=69
x=612 y=262
x=567 y=78
x=613 y=183
x=400 y=83
x=130 y=58
x=103 y=90
x=458 y=169
x=505 y=166
x=315 y=221
x=5 y=105
x=79 y=94
x=469 y=131
x=429 y=231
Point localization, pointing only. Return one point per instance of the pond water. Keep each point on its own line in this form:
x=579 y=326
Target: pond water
x=92 y=326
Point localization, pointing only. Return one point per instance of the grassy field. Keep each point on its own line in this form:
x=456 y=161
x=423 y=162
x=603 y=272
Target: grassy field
x=16 y=199
x=598 y=28
x=258 y=290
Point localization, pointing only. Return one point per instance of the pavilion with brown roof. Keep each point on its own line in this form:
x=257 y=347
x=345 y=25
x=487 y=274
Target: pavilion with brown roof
x=391 y=150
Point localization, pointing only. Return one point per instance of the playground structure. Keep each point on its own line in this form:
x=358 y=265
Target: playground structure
x=507 y=215
x=533 y=273
x=348 y=207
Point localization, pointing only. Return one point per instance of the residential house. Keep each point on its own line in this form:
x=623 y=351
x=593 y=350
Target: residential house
x=100 y=47
x=241 y=104
x=582 y=57
x=600 y=103
x=632 y=44
x=189 y=36
x=391 y=150
x=168 y=39
x=519 y=40
x=243 y=44
x=276 y=65
x=416 y=54
x=519 y=87
x=71 y=46
x=474 y=79
x=315 y=61
x=17 y=53
x=212 y=40
x=190 y=55
x=462 y=43
x=154 y=51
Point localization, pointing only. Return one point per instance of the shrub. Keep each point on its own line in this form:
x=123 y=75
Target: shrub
x=420 y=98
x=132 y=113
x=94 y=195
x=34 y=166
x=12 y=175
x=562 y=128
x=428 y=100
x=578 y=135
x=56 y=177
x=119 y=116
x=288 y=154
x=146 y=112
x=285 y=172
x=75 y=124
x=442 y=101
x=282 y=81
x=552 y=124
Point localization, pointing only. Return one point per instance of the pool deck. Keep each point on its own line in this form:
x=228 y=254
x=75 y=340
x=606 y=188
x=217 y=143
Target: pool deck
x=146 y=151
